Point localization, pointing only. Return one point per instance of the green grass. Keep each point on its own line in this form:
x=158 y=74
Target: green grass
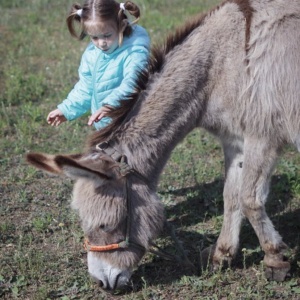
x=41 y=253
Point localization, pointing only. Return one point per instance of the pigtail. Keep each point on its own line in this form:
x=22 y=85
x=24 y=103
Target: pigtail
x=75 y=15
x=132 y=9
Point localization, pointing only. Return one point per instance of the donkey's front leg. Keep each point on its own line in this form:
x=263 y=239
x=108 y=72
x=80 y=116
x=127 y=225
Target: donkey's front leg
x=228 y=241
x=259 y=159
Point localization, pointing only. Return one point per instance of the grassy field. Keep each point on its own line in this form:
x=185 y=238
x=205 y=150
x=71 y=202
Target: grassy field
x=41 y=253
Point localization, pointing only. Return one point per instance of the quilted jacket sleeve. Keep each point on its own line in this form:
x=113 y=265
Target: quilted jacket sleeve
x=79 y=99
x=134 y=63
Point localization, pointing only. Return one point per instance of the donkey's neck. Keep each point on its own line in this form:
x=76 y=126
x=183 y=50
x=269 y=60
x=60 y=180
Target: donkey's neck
x=172 y=107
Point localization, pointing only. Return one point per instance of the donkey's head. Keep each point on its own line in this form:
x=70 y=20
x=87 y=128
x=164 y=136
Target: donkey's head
x=120 y=213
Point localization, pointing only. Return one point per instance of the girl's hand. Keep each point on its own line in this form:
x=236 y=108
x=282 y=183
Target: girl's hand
x=99 y=114
x=55 y=118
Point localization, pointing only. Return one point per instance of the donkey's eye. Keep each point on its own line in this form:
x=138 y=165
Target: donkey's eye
x=105 y=228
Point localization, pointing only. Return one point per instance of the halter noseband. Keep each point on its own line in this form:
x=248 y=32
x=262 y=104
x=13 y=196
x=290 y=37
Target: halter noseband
x=94 y=248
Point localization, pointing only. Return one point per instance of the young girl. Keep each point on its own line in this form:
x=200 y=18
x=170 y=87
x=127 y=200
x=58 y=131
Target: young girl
x=110 y=63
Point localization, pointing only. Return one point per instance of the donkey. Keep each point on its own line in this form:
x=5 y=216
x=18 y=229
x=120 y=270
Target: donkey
x=233 y=71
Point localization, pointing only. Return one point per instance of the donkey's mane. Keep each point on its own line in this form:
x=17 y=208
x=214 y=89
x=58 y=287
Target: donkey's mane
x=155 y=64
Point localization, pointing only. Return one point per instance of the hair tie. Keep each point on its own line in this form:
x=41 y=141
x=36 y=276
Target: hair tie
x=79 y=12
x=122 y=6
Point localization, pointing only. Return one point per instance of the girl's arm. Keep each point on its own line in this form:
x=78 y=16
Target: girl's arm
x=78 y=101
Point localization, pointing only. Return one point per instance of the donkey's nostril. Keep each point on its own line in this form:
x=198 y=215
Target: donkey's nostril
x=100 y=283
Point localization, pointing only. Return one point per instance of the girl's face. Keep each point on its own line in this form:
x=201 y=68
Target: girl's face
x=104 y=35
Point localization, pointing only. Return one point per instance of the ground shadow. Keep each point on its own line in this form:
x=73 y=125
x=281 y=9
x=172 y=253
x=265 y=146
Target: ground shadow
x=202 y=202
x=207 y=203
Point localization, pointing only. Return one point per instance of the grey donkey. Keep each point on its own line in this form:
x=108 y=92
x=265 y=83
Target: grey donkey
x=235 y=72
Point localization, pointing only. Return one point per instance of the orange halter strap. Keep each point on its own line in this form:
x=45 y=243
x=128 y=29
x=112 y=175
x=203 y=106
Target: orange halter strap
x=94 y=248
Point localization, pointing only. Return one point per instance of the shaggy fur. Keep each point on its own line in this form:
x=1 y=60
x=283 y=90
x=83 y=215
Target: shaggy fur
x=233 y=71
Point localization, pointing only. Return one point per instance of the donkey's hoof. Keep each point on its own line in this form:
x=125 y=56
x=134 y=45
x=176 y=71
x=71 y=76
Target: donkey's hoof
x=277 y=274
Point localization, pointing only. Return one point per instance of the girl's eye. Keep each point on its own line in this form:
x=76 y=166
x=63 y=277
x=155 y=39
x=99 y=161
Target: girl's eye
x=95 y=38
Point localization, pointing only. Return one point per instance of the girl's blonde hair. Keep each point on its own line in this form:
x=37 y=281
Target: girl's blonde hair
x=102 y=10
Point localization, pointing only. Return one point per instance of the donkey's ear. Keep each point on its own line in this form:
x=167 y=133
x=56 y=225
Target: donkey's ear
x=70 y=165
x=80 y=169
x=43 y=162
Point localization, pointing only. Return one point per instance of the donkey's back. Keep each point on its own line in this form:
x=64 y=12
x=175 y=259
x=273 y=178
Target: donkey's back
x=255 y=71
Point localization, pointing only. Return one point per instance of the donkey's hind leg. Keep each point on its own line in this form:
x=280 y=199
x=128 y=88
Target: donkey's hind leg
x=259 y=160
x=228 y=241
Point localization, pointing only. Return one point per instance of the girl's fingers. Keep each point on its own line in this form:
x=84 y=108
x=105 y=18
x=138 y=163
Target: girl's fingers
x=57 y=121
x=49 y=119
x=96 y=117
x=100 y=117
x=91 y=120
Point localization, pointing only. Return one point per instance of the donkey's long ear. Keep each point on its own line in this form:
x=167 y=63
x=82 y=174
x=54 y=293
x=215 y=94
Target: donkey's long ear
x=81 y=169
x=73 y=166
x=43 y=162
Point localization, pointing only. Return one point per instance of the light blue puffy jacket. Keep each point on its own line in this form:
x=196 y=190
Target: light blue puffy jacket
x=105 y=79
